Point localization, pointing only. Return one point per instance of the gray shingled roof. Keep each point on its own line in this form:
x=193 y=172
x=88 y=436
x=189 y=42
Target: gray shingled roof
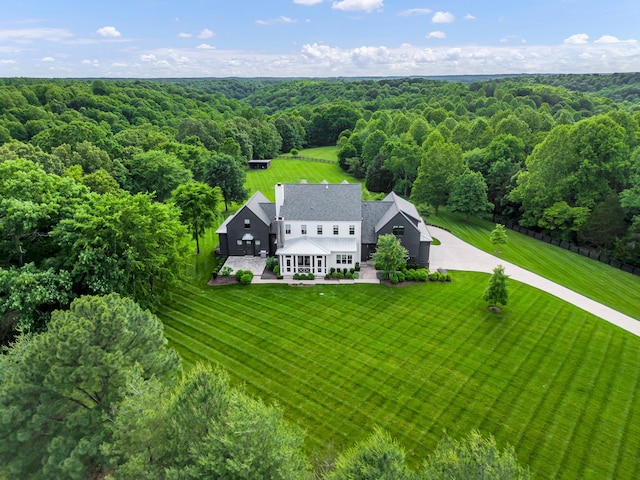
x=255 y=205
x=372 y=212
x=322 y=202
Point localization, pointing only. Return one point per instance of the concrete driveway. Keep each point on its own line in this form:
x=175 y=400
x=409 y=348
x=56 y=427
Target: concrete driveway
x=454 y=254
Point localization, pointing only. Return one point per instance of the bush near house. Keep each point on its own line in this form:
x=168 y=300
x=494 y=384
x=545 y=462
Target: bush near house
x=244 y=277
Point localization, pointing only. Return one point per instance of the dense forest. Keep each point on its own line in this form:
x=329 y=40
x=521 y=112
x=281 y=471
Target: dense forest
x=103 y=181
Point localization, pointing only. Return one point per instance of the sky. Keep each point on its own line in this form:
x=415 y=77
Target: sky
x=316 y=38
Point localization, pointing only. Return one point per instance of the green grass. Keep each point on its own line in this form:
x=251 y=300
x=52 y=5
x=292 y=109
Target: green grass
x=293 y=171
x=557 y=383
x=598 y=281
x=324 y=153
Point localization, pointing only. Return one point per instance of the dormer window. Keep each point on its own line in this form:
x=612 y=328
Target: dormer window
x=303 y=229
x=352 y=229
x=319 y=230
x=398 y=230
x=336 y=230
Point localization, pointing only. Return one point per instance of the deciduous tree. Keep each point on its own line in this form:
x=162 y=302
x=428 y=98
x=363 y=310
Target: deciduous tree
x=225 y=172
x=198 y=204
x=469 y=195
x=390 y=255
x=499 y=236
x=496 y=292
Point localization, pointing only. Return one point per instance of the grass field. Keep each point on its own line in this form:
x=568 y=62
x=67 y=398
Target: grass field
x=603 y=283
x=324 y=153
x=557 y=383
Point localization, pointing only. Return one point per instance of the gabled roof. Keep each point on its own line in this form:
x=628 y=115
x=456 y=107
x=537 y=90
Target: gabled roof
x=259 y=205
x=372 y=212
x=404 y=206
x=322 y=202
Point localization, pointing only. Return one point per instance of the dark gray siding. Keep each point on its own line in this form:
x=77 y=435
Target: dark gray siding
x=224 y=247
x=236 y=230
x=411 y=238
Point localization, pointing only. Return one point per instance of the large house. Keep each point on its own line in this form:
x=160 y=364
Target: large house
x=313 y=227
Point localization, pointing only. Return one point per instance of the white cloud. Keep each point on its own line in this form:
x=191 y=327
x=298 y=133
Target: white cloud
x=414 y=11
x=185 y=35
x=119 y=64
x=468 y=16
x=48 y=59
x=93 y=62
x=577 y=39
x=274 y=21
x=148 y=58
x=206 y=33
x=443 y=17
x=109 y=32
x=7 y=62
x=307 y=2
x=25 y=35
x=358 y=5
x=436 y=34
x=205 y=46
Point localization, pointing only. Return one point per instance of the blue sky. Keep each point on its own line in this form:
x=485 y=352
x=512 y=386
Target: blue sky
x=316 y=38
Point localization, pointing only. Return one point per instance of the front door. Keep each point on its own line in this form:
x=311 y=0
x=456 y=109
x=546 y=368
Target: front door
x=248 y=247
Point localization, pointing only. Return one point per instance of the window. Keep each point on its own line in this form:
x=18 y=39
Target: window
x=287 y=229
x=258 y=242
x=319 y=262
x=247 y=223
x=336 y=230
x=344 y=259
x=303 y=229
x=319 y=229
x=352 y=229
x=398 y=230
x=239 y=242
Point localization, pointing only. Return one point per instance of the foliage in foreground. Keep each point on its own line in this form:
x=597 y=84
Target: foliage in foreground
x=390 y=255
x=57 y=388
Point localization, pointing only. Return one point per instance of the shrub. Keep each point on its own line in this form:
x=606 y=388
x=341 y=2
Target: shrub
x=394 y=278
x=338 y=275
x=410 y=275
x=272 y=262
x=296 y=276
x=279 y=277
x=276 y=270
x=351 y=270
x=434 y=277
x=311 y=276
x=377 y=266
x=345 y=270
x=332 y=270
x=446 y=277
x=357 y=266
x=349 y=275
x=327 y=276
x=246 y=278
x=401 y=276
x=356 y=275
x=239 y=274
x=294 y=151
x=422 y=275
x=226 y=271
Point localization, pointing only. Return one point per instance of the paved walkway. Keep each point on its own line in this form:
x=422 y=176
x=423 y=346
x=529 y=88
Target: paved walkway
x=454 y=254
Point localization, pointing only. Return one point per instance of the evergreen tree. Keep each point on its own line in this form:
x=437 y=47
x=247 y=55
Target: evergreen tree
x=499 y=236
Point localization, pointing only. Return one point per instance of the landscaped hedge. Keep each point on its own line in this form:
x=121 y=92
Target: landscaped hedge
x=244 y=277
x=304 y=276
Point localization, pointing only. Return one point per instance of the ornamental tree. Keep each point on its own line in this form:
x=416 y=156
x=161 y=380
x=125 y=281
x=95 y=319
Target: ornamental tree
x=499 y=236
x=496 y=292
x=390 y=254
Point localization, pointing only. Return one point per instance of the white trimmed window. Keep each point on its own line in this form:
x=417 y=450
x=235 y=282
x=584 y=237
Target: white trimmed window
x=303 y=229
x=247 y=223
x=352 y=229
x=287 y=229
x=344 y=259
x=319 y=229
x=336 y=230
x=398 y=230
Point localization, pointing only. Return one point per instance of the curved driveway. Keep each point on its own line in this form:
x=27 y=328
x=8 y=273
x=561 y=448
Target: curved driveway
x=454 y=254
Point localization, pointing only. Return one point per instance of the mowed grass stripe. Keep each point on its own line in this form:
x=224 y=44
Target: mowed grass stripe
x=415 y=360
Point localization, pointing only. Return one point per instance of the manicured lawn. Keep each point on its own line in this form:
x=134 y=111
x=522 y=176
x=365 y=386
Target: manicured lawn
x=603 y=283
x=325 y=153
x=557 y=383
x=293 y=171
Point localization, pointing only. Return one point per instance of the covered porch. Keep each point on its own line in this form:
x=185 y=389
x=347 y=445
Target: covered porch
x=317 y=255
